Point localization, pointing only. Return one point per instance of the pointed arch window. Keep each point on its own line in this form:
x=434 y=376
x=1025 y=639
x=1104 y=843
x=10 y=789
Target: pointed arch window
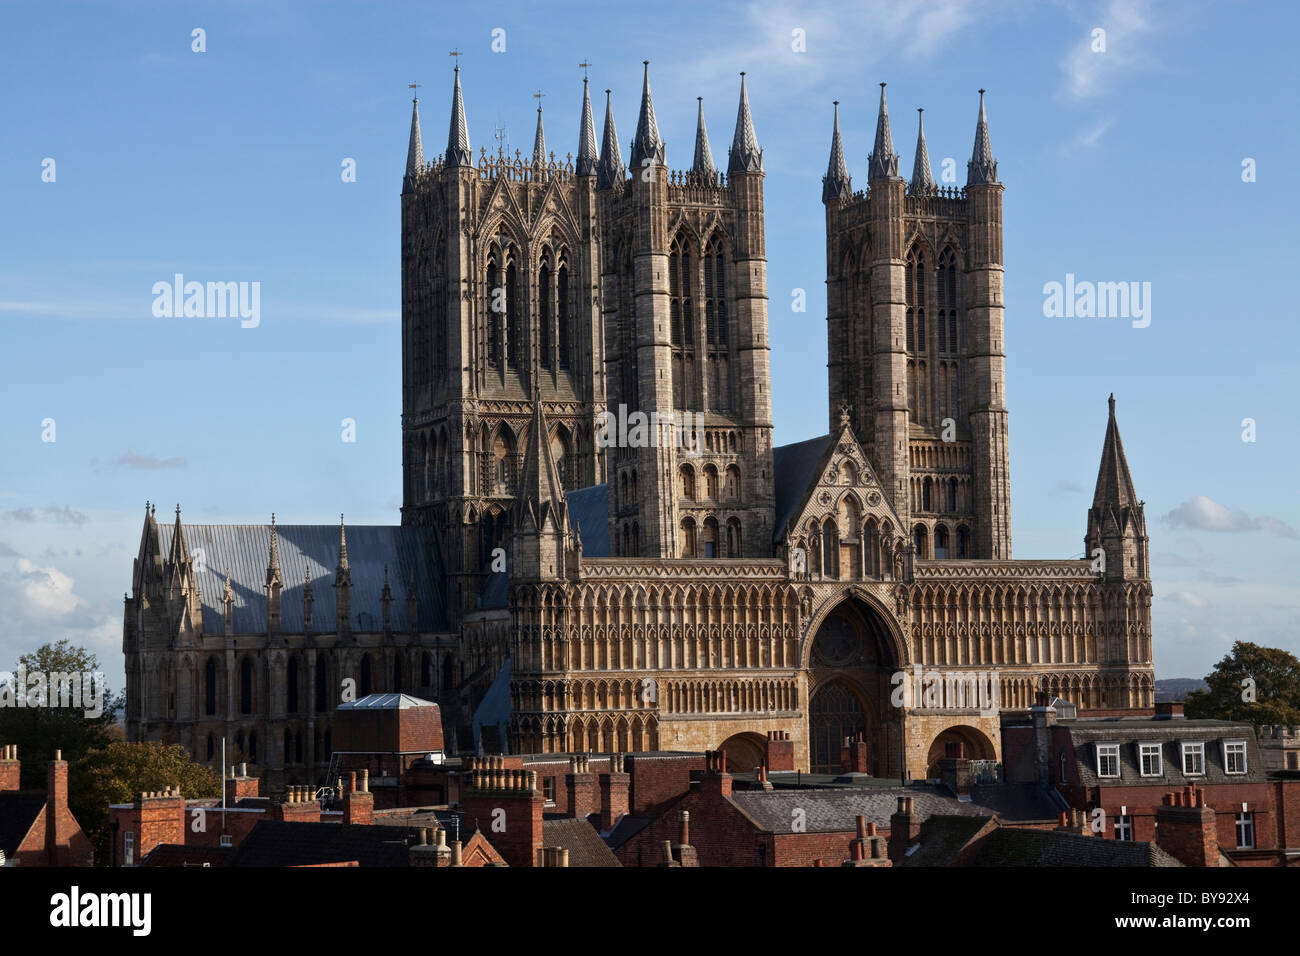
x=365 y=675
x=495 y=306
x=963 y=542
x=246 y=686
x=210 y=687
x=563 y=311
x=514 y=323
x=710 y=538
x=291 y=686
x=952 y=494
x=544 y=317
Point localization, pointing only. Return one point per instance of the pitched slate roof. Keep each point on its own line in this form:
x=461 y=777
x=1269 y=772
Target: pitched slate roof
x=1010 y=846
x=174 y=854
x=580 y=838
x=18 y=811
x=942 y=837
x=1019 y=801
x=1170 y=734
x=589 y=516
x=245 y=549
x=838 y=810
x=275 y=843
x=794 y=467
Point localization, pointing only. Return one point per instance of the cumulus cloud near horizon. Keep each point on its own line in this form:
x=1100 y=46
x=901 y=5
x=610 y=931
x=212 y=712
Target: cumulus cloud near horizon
x=1202 y=513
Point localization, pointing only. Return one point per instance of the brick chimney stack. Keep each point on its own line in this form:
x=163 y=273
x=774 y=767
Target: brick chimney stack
x=1185 y=828
x=359 y=806
x=431 y=849
x=716 y=780
x=853 y=755
x=1074 y=821
x=58 y=819
x=507 y=807
x=580 y=787
x=903 y=829
x=681 y=853
x=614 y=787
x=299 y=806
x=780 y=750
x=240 y=785
x=10 y=768
x=868 y=848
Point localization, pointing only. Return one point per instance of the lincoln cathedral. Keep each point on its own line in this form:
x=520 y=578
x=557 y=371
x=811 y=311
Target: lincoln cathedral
x=556 y=593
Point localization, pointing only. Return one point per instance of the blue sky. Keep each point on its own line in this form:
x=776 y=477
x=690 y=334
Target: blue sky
x=1122 y=165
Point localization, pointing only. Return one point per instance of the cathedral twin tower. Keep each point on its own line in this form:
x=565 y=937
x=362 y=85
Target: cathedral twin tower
x=566 y=289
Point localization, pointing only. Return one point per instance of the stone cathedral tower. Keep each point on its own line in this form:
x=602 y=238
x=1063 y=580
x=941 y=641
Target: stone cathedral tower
x=914 y=288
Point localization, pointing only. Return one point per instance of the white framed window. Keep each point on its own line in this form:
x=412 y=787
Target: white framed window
x=128 y=848
x=1234 y=756
x=1245 y=830
x=1150 y=761
x=1108 y=760
x=227 y=840
x=1194 y=759
x=1123 y=828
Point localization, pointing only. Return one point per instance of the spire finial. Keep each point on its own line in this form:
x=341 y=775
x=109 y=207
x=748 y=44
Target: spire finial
x=836 y=184
x=883 y=161
x=539 y=139
x=610 y=168
x=458 y=151
x=745 y=156
x=703 y=163
x=982 y=168
x=587 y=156
x=1111 y=402
x=922 y=179
x=647 y=145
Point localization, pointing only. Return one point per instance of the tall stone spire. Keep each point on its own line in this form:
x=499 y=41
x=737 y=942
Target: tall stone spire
x=982 y=168
x=179 y=554
x=458 y=153
x=540 y=519
x=414 y=150
x=647 y=144
x=610 y=168
x=745 y=157
x=273 y=575
x=343 y=572
x=703 y=155
x=883 y=162
x=539 y=141
x=837 y=184
x=922 y=180
x=1114 y=483
x=587 y=157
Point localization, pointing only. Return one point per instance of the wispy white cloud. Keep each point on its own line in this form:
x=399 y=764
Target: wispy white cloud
x=1091 y=70
x=61 y=515
x=1205 y=514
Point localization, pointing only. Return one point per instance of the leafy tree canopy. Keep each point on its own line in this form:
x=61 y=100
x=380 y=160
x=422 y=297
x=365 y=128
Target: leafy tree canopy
x=1276 y=687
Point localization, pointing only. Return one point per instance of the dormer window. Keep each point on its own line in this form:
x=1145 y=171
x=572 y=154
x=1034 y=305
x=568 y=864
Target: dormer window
x=1108 y=760
x=1194 y=759
x=1234 y=756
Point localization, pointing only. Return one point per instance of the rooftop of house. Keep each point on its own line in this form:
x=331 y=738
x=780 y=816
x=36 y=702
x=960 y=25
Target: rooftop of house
x=580 y=838
x=273 y=843
x=18 y=811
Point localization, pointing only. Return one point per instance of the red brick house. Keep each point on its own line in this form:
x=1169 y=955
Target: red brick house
x=38 y=829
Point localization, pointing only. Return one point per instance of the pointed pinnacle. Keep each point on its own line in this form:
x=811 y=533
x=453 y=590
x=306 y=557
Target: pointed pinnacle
x=610 y=169
x=745 y=156
x=458 y=151
x=414 y=151
x=703 y=155
x=982 y=168
x=539 y=142
x=647 y=145
x=883 y=161
x=837 y=184
x=922 y=180
x=587 y=156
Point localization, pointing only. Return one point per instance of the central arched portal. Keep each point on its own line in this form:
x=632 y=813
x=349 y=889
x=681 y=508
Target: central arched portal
x=852 y=662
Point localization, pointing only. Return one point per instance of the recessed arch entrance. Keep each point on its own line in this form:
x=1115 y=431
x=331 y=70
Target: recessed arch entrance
x=850 y=660
x=958 y=741
x=744 y=752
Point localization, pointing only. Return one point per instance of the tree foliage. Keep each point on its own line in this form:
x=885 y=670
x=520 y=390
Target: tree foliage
x=119 y=771
x=1276 y=687
x=41 y=730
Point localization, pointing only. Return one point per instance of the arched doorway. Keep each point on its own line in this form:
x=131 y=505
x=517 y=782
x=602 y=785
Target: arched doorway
x=744 y=752
x=960 y=741
x=835 y=712
x=851 y=662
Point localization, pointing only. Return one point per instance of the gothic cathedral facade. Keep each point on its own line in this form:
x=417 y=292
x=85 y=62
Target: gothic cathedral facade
x=602 y=547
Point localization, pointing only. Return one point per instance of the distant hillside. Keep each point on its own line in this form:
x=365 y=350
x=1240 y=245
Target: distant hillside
x=1176 y=688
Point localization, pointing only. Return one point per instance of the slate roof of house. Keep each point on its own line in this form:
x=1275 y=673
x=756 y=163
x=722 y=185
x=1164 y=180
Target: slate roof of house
x=794 y=467
x=838 y=810
x=175 y=854
x=1011 y=846
x=245 y=548
x=580 y=838
x=1019 y=801
x=941 y=838
x=275 y=843
x=1129 y=732
x=18 y=811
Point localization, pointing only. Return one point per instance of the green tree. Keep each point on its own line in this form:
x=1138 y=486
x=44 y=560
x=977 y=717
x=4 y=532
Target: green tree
x=40 y=722
x=1276 y=691
x=119 y=771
